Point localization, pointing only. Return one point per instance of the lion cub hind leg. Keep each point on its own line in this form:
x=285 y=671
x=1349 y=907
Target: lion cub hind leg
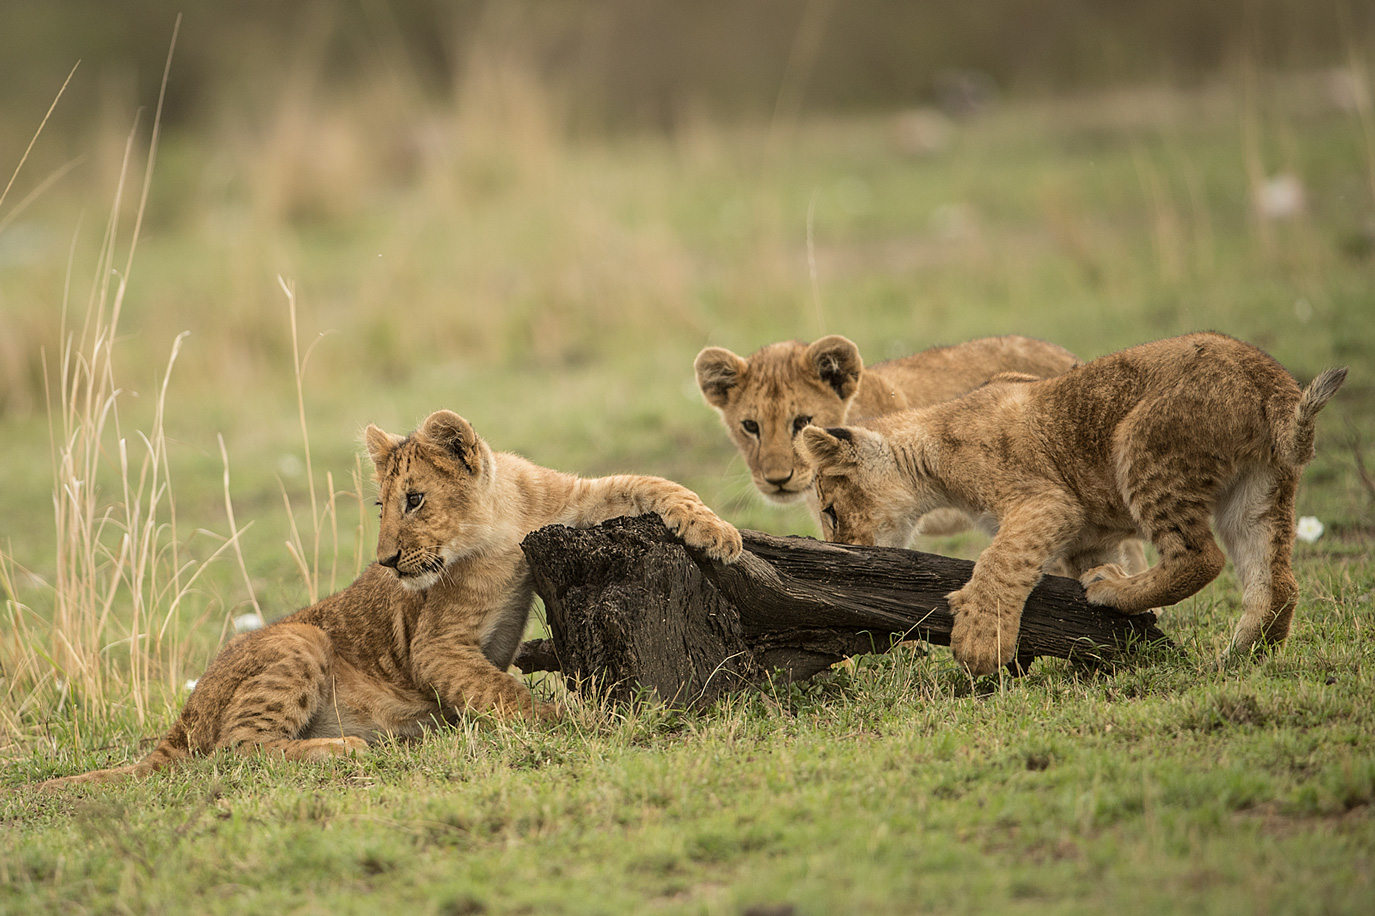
x=1256 y=523
x=1170 y=488
x=1189 y=560
x=273 y=706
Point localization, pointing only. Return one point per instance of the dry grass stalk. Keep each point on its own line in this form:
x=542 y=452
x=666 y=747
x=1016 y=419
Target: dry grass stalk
x=308 y=560
x=122 y=573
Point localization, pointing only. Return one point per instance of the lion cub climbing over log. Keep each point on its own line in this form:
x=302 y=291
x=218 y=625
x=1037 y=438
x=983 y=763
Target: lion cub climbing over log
x=765 y=400
x=1156 y=440
x=426 y=633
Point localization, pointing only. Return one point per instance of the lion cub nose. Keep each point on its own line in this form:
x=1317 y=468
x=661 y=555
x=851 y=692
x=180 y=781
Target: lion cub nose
x=779 y=481
x=391 y=561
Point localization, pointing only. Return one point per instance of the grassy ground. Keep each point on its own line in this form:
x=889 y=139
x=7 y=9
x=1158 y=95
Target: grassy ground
x=555 y=291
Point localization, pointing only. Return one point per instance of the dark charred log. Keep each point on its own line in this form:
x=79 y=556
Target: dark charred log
x=631 y=609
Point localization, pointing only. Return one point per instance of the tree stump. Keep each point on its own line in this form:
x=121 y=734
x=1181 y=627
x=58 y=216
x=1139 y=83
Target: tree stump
x=632 y=610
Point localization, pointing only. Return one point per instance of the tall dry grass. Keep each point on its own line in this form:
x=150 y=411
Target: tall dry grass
x=107 y=636
x=121 y=570
x=323 y=517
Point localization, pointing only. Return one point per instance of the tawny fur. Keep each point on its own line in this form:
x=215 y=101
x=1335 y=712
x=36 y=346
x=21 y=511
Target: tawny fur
x=1157 y=440
x=425 y=634
x=766 y=399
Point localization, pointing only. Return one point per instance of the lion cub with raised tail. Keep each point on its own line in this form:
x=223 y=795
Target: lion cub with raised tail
x=766 y=400
x=1156 y=440
x=426 y=633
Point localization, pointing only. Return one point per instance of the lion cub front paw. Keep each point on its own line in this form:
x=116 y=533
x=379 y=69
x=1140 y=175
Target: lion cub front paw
x=707 y=532
x=1101 y=583
x=979 y=640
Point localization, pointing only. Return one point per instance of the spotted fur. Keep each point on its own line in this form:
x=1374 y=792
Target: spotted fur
x=427 y=632
x=1157 y=440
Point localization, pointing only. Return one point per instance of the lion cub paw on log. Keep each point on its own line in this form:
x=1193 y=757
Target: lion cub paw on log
x=1155 y=441
x=426 y=633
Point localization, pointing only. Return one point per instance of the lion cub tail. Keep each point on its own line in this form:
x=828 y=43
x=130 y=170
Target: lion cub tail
x=1296 y=443
x=167 y=753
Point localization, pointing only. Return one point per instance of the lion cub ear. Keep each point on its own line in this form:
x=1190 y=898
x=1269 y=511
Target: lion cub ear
x=718 y=371
x=380 y=444
x=455 y=437
x=839 y=447
x=837 y=363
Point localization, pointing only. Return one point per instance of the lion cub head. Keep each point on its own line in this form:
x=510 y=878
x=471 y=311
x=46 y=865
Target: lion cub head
x=863 y=495
x=435 y=488
x=768 y=399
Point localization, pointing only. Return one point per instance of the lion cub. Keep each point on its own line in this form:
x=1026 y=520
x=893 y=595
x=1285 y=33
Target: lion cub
x=767 y=399
x=426 y=633
x=1157 y=440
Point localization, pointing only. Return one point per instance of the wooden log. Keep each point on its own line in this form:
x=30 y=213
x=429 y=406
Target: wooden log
x=631 y=609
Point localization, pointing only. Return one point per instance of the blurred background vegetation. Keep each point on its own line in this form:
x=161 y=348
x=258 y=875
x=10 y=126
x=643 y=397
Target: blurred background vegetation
x=293 y=130
x=619 y=64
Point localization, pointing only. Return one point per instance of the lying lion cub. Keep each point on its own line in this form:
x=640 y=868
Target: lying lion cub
x=767 y=399
x=1157 y=440
x=427 y=632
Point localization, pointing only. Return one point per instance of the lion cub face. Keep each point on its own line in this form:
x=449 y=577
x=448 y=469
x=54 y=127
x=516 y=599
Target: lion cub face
x=435 y=491
x=767 y=400
x=860 y=494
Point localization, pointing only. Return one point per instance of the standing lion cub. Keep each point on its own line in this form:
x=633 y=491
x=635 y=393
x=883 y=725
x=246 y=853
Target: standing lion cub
x=426 y=633
x=1157 y=440
x=767 y=399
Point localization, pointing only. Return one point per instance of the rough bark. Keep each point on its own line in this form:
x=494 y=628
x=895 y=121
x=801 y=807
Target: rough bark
x=631 y=609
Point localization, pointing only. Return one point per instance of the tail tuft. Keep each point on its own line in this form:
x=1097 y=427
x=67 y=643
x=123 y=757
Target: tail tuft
x=1317 y=394
x=1320 y=390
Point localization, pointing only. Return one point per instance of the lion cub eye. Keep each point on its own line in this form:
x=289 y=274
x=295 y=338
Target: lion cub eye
x=750 y=427
x=800 y=424
x=830 y=513
x=414 y=501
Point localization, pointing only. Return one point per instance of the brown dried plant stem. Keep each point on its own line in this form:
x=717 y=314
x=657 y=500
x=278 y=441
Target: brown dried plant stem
x=121 y=575
x=320 y=518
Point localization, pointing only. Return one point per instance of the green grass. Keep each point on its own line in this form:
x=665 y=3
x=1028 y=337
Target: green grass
x=554 y=292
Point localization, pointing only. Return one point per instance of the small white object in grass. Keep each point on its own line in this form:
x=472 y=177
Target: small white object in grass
x=191 y=685
x=1280 y=197
x=1309 y=529
x=245 y=622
